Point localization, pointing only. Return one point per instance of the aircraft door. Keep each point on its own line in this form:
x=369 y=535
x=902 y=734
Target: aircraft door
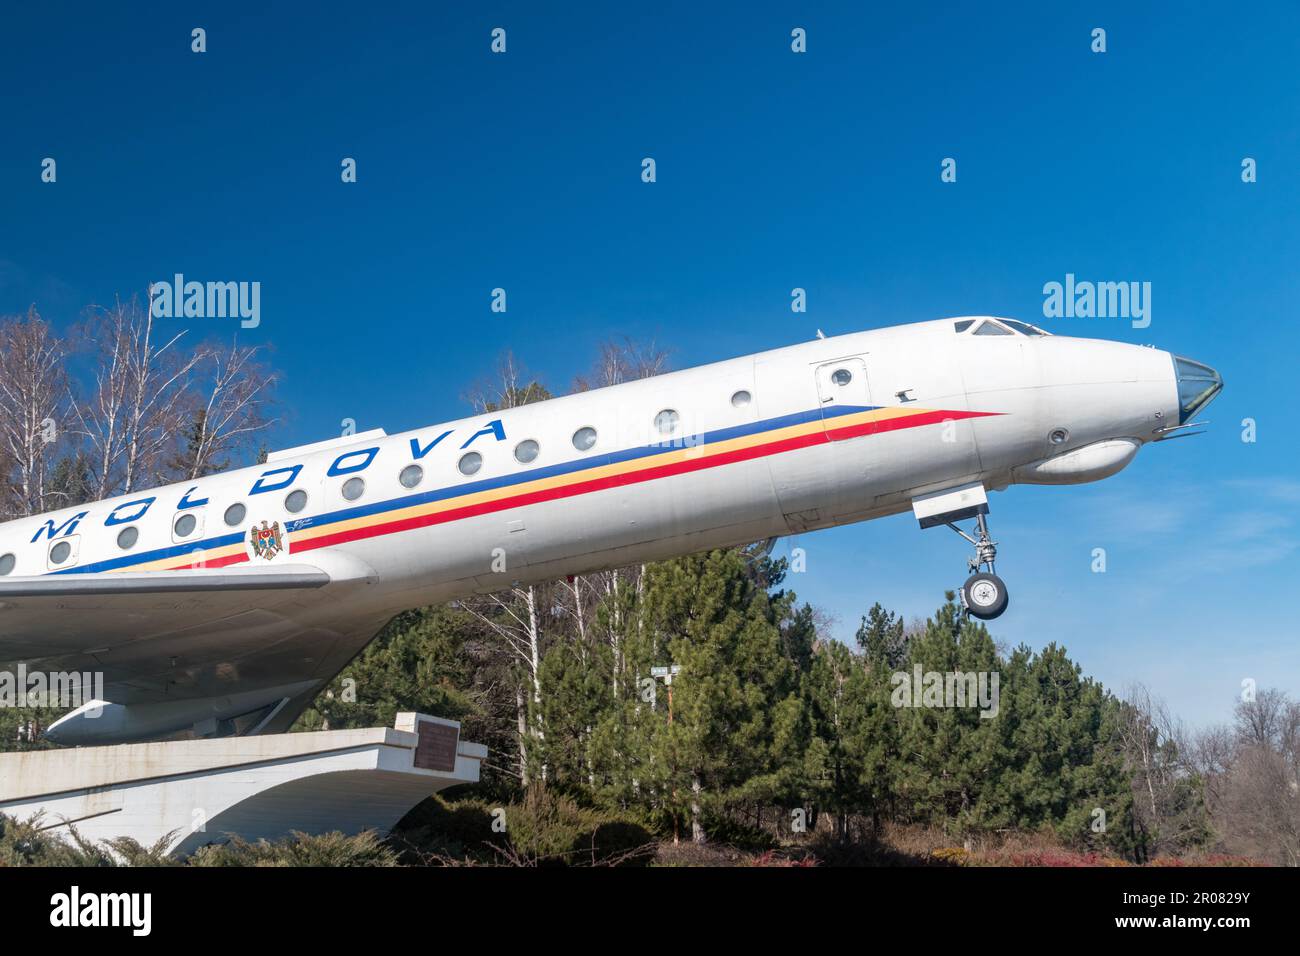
x=842 y=389
x=844 y=393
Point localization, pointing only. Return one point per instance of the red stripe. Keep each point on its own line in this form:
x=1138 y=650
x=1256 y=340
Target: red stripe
x=894 y=424
x=684 y=466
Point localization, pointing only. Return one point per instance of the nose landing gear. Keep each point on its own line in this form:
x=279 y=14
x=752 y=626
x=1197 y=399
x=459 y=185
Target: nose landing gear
x=984 y=595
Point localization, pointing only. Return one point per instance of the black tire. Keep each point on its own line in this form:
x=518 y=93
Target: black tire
x=985 y=596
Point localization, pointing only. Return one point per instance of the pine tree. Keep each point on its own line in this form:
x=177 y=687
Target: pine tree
x=416 y=663
x=735 y=689
x=881 y=636
x=1065 y=768
x=70 y=483
x=190 y=460
x=948 y=753
x=576 y=696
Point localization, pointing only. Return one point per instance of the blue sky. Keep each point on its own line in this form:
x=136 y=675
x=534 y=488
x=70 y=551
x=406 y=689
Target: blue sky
x=775 y=170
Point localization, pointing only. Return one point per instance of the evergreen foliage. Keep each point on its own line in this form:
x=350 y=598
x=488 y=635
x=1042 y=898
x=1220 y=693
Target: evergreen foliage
x=772 y=725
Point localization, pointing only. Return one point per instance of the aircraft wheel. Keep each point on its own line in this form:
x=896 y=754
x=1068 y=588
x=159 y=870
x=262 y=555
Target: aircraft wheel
x=985 y=595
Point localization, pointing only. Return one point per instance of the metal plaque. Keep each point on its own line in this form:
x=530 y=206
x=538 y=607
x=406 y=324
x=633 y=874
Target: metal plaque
x=436 y=746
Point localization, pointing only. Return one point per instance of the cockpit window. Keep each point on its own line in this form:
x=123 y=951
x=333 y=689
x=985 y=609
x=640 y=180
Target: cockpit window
x=1197 y=385
x=998 y=327
x=1023 y=327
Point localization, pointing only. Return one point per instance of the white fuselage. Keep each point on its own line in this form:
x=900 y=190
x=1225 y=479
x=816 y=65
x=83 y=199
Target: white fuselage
x=834 y=430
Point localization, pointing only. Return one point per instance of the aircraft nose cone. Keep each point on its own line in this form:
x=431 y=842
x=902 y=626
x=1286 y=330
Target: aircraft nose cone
x=1197 y=386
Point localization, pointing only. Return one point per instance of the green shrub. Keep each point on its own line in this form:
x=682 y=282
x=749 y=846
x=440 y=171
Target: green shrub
x=543 y=829
x=440 y=831
x=743 y=836
x=25 y=843
x=549 y=830
x=299 y=849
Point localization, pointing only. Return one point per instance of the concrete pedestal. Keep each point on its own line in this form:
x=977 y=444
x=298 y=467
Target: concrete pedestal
x=196 y=792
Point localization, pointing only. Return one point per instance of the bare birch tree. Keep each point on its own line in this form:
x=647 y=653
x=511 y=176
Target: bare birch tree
x=511 y=615
x=1168 y=807
x=228 y=406
x=33 y=393
x=621 y=361
x=136 y=406
x=510 y=387
x=1257 y=807
x=618 y=361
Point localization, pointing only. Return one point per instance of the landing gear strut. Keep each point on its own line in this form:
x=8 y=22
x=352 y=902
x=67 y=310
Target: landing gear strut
x=984 y=595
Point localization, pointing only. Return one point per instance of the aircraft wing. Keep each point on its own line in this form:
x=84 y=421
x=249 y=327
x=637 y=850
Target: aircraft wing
x=163 y=635
x=143 y=583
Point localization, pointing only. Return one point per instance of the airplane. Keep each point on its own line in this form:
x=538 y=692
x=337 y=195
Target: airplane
x=222 y=606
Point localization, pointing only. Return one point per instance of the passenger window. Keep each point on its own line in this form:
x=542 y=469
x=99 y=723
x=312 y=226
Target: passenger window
x=740 y=399
x=526 y=451
x=235 y=514
x=295 y=501
x=470 y=463
x=185 y=526
x=7 y=564
x=411 y=476
x=353 y=488
x=64 y=551
x=584 y=438
x=127 y=537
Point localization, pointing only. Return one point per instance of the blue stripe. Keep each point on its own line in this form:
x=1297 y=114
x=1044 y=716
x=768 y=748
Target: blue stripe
x=486 y=484
x=174 y=551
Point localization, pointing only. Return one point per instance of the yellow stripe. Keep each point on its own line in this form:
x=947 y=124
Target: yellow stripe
x=543 y=484
x=604 y=471
x=178 y=561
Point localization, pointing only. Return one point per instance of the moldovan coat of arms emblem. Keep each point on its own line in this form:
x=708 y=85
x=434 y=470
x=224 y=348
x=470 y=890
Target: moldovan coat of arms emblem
x=267 y=542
